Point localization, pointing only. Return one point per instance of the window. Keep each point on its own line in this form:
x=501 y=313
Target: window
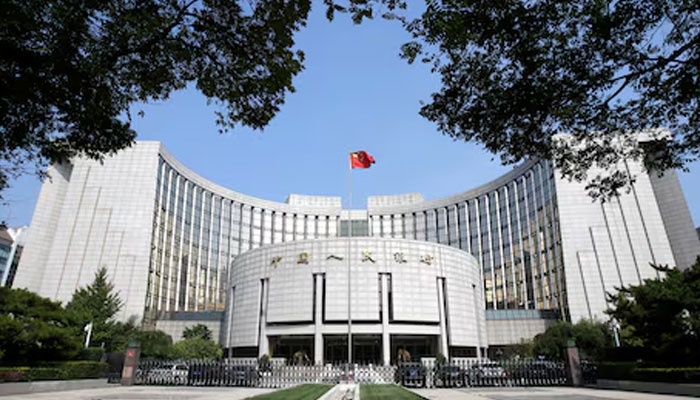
x=360 y=227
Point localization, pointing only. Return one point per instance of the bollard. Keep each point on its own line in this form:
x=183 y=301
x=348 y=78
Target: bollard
x=131 y=364
x=573 y=364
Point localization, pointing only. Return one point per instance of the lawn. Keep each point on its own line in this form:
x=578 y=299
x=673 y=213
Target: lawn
x=301 y=392
x=386 y=392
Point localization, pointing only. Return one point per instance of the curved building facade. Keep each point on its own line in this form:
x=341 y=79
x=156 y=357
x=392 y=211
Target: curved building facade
x=296 y=296
x=172 y=239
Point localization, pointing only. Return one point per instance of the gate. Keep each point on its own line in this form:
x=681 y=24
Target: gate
x=473 y=373
x=115 y=363
x=458 y=373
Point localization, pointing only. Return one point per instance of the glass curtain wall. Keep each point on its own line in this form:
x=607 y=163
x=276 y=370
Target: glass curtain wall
x=511 y=229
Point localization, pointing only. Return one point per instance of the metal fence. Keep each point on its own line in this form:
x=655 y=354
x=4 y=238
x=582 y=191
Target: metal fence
x=226 y=373
x=462 y=373
x=473 y=373
x=589 y=372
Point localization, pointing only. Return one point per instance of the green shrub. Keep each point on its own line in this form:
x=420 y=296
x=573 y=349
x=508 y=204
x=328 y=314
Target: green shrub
x=91 y=354
x=7 y=375
x=621 y=371
x=632 y=371
x=676 y=375
x=58 y=371
x=42 y=374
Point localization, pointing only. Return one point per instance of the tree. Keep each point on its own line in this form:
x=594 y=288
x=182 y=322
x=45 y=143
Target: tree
x=97 y=303
x=197 y=348
x=154 y=344
x=33 y=328
x=264 y=363
x=552 y=343
x=301 y=357
x=524 y=349
x=662 y=315
x=591 y=338
x=70 y=70
x=197 y=331
x=121 y=332
x=517 y=73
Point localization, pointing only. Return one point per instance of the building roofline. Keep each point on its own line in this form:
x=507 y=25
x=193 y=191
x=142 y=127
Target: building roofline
x=324 y=210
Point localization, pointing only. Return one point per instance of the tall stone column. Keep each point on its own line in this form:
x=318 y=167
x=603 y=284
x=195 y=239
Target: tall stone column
x=386 y=338
x=318 y=320
x=478 y=325
x=573 y=367
x=443 y=342
x=131 y=364
x=263 y=342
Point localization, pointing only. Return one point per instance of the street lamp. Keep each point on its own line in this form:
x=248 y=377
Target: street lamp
x=615 y=324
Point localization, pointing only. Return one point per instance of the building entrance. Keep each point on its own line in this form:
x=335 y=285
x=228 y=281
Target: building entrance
x=416 y=346
x=298 y=350
x=367 y=349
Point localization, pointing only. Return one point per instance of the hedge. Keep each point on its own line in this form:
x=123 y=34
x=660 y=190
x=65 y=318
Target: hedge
x=676 y=375
x=91 y=354
x=623 y=371
x=631 y=371
x=59 y=371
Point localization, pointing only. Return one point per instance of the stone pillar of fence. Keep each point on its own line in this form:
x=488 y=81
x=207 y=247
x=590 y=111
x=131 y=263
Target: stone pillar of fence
x=318 y=320
x=386 y=338
x=263 y=342
x=131 y=364
x=573 y=364
x=443 y=346
x=429 y=365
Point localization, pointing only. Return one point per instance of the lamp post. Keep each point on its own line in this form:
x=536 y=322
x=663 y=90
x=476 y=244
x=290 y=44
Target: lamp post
x=88 y=330
x=615 y=324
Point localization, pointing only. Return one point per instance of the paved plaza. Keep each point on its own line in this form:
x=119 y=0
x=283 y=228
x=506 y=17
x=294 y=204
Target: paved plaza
x=538 y=393
x=218 y=393
x=146 y=393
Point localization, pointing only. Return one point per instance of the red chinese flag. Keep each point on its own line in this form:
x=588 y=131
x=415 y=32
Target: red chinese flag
x=361 y=159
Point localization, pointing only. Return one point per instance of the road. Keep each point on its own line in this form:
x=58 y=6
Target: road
x=146 y=393
x=538 y=393
x=223 y=393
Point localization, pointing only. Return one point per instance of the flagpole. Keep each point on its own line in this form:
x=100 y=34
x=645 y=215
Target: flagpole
x=349 y=268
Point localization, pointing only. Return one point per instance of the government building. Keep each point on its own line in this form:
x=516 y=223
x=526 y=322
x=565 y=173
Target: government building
x=462 y=275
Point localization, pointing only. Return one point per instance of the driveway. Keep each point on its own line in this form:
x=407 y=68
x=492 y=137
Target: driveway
x=146 y=393
x=538 y=393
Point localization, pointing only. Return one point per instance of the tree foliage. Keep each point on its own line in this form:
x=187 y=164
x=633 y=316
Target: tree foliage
x=70 y=69
x=662 y=315
x=120 y=333
x=517 y=73
x=197 y=348
x=154 y=344
x=521 y=350
x=197 y=331
x=33 y=329
x=514 y=74
x=591 y=338
x=98 y=303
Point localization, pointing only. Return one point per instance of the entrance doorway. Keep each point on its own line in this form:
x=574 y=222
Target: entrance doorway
x=417 y=346
x=298 y=350
x=367 y=349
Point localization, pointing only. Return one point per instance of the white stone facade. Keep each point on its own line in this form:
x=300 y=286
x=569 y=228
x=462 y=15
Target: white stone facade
x=169 y=238
x=611 y=244
x=398 y=287
x=91 y=215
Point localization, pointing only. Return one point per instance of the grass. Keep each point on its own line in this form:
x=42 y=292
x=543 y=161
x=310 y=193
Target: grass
x=301 y=392
x=386 y=392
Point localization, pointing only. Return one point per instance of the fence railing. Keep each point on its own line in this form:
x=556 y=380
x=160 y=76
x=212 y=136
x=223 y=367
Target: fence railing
x=460 y=373
x=589 y=372
x=474 y=373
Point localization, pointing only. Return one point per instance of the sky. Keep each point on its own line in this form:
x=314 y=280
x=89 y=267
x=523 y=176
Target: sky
x=354 y=94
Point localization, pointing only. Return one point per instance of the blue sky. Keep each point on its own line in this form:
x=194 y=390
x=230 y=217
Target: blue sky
x=355 y=94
